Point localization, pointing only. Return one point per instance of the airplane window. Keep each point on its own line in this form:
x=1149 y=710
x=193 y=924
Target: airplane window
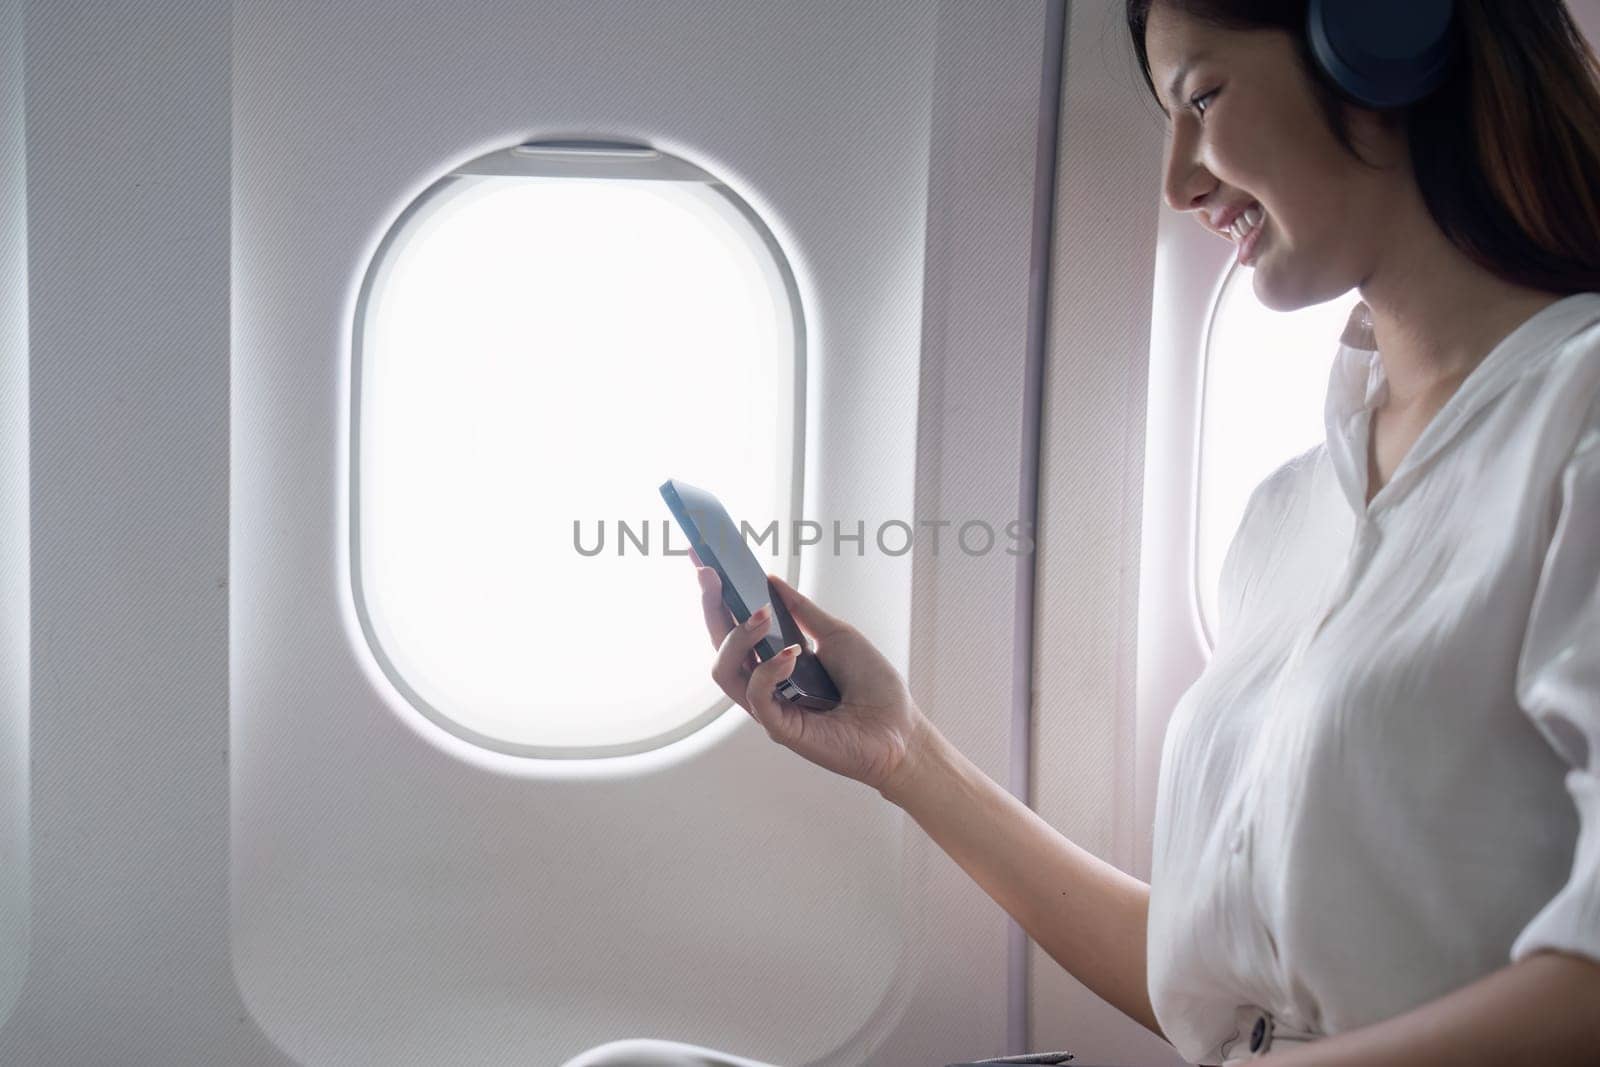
x=1264 y=385
x=542 y=338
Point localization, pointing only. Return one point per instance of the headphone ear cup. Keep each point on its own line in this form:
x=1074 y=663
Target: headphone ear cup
x=1382 y=53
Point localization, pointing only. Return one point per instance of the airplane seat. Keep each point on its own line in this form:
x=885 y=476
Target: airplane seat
x=648 y=1052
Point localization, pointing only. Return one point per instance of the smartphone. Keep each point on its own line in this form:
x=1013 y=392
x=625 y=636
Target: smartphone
x=745 y=589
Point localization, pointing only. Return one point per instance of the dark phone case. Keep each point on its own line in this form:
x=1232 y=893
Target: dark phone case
x=808 y=685
x=1030 y=1057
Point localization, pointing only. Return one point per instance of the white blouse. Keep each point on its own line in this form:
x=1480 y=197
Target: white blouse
x=1386 y=782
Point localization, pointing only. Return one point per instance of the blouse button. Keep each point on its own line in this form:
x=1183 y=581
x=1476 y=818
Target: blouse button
x=1238 y=841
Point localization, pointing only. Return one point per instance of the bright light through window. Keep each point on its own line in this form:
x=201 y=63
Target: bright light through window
x=536 y=351
x=1266 y=380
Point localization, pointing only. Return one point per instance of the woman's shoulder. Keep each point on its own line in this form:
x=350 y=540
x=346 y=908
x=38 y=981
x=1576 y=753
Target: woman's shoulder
x=1267 y=510
x=1576 y=338
x=1571 y=378
x=1285 y=482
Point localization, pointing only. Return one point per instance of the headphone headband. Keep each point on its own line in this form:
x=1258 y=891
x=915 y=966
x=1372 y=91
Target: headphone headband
x=1382 y=53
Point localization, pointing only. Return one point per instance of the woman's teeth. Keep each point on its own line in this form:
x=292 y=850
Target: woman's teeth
x=1246 y=222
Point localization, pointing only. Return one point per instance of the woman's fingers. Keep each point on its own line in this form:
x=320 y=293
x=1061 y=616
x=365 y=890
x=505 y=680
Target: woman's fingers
x=736 y=656
x=718 y=621
x=758 y=693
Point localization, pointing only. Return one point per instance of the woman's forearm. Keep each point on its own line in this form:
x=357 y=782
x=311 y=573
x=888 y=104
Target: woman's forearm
x=1544 y=1010
x=1088 y=915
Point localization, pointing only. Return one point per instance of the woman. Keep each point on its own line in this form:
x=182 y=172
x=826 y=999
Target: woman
x=1377 y=831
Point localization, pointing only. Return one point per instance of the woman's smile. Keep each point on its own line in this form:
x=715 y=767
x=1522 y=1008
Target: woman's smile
x=1253 y=225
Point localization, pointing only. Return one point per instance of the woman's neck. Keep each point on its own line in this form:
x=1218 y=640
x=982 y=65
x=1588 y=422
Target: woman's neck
x=1436 y=314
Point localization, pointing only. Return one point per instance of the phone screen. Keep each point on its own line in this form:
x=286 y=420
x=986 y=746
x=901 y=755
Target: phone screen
x=716 y=540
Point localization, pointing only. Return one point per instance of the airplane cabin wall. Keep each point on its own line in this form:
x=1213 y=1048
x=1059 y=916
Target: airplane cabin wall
x=13 y=516
x=126 y=371
x=206 y=808
x=1091 y=496
x=397 y=893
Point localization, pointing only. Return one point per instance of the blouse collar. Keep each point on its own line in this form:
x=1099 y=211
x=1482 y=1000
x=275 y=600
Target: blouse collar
x=1357 y=385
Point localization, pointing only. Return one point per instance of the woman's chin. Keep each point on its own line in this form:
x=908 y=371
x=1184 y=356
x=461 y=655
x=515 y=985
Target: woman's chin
x=1279 y=291
x=1271 y=290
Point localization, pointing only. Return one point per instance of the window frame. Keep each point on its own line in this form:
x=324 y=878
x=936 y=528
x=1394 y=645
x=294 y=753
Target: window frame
x=577 y=160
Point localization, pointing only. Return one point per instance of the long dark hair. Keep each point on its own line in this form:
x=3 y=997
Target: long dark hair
x=1506 y=152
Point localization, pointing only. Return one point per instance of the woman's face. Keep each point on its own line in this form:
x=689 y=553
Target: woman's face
x=1246 y=131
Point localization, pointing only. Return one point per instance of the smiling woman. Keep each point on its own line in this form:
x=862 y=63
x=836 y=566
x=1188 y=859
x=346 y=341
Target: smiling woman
x=1381 y=799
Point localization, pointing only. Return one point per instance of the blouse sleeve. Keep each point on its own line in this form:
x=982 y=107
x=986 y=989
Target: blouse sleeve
x=1230 y=590
x=1235 y=577
x=1558 y=686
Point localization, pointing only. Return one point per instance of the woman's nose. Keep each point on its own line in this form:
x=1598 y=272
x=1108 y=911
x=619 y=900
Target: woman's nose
x=1185 y=182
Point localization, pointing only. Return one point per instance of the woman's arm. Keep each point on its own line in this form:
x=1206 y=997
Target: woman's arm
x=1088 y=915
x=1544 y=1010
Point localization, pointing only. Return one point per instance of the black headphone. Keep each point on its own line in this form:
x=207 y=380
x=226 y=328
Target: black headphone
x=1382 y=53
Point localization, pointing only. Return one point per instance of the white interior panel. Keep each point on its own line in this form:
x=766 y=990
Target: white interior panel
x=14 y=616
x=1091 y=470
x=126 y=387
x=1587 y=14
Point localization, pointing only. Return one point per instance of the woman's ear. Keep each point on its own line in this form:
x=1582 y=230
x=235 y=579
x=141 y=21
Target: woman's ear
x=1379 y=137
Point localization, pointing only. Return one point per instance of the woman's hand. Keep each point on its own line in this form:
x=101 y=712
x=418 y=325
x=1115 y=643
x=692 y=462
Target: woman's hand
x=876 y=725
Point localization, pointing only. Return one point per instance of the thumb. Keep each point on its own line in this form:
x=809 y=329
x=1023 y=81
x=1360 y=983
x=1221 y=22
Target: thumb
x=780 y=721
x=816 y=622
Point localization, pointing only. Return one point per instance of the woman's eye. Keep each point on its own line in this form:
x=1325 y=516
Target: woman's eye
x=1200 y=99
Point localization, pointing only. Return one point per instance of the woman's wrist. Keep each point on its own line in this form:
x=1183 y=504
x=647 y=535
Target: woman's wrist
x=920 y=762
